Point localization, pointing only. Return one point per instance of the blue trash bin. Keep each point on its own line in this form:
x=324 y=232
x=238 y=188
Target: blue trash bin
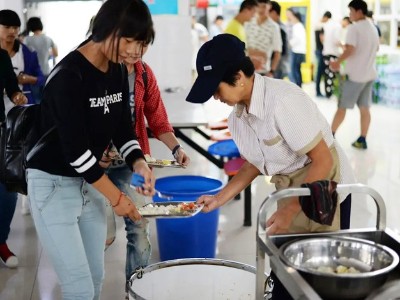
x=192 y=237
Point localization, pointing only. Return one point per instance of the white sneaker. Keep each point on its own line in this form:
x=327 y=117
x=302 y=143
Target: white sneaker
x=25 y=209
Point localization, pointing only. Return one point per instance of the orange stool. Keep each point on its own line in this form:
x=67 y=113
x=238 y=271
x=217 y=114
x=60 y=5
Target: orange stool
x=221 y=135
x=219 y=125
x=231 y=168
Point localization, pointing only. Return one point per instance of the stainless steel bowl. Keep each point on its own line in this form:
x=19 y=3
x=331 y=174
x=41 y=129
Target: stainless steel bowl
x=309 y=256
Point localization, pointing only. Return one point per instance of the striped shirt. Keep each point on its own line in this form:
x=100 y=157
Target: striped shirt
x=282 y=125
x=265 y=37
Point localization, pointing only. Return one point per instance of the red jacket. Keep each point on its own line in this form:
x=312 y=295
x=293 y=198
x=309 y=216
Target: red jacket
x=149 y=104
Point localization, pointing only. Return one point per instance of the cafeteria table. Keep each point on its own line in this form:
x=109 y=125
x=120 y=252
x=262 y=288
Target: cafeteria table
x=184 y=115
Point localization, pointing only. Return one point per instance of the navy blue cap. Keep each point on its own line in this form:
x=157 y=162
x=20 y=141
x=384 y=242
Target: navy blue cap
x=213 y=59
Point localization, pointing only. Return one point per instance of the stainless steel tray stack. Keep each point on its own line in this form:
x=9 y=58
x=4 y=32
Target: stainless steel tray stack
x=293 y=281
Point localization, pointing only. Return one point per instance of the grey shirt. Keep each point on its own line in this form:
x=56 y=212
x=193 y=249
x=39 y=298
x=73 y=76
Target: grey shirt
x=41 y=44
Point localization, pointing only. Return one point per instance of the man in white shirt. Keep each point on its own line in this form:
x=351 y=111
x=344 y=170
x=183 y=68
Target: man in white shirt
x=362 y=43
x=330 y=51
x=264 y=39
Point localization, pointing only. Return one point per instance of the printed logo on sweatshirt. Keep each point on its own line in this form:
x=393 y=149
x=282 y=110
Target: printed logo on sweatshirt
x=105 y=101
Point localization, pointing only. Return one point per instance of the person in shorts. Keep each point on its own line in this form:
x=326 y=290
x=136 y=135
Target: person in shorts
x=362 y=43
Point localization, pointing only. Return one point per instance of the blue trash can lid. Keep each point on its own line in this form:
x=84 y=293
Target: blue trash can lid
x=188 y=185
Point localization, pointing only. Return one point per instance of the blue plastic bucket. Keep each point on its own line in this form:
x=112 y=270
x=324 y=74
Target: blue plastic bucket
x=192 y=237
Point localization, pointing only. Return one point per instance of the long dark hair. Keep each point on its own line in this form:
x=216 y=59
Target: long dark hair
x=123 y=18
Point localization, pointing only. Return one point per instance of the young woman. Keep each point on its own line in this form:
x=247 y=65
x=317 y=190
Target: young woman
x=146 y=103
x=86 y=101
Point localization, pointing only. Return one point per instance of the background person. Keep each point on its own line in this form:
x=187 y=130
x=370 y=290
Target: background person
x=362 y=44
x=282 y=69
x=217 y=27
x=8 y=201
x=42 y=44
x=264 y=40
x=25 y=62
x=247 y=10
x=331 y=49
x=297 y=43
x=66 y=184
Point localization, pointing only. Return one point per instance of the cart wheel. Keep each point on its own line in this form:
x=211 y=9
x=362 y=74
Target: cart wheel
x=268 y=288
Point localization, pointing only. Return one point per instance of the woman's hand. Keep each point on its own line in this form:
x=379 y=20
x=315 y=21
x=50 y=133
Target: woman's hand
x=126 y=208
x=210 y=202
x=147 y=189
x=181 y=157
x=19 y=98
x=280 y=221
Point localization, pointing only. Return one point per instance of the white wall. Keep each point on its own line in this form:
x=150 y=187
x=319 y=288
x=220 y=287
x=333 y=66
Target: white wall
x=170 y=55
x=15 y=5
x=65 y=22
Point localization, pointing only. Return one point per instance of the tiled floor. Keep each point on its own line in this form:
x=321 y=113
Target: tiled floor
x=378 y=167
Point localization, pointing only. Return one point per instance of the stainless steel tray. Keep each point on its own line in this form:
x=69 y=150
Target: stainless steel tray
x=170 y=209
x=296 y=285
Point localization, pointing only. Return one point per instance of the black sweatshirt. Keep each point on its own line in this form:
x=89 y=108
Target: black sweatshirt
x=8 y=80
x=89 y=109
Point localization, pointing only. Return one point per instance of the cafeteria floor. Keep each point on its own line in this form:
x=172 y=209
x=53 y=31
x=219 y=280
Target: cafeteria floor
x=378 y=167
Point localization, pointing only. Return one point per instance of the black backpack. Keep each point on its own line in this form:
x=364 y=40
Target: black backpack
x=20 y=141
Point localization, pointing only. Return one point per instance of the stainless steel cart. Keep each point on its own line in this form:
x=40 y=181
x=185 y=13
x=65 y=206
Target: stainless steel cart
x=296 y=285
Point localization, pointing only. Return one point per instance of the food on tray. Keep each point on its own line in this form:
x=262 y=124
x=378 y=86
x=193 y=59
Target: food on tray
x=176 y=209
x=160 y=162
x=149 y=159
x=340 y=269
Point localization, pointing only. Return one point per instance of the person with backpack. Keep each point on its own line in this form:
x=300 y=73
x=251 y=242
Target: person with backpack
x=146 y=103
x=85 y=100
x=8 y=200
x=25 y=62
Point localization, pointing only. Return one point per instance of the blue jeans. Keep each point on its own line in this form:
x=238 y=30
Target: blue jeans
x=8 y=201
x=296 y=60
x=320 y=70
x=70 y=220
x=138 y=248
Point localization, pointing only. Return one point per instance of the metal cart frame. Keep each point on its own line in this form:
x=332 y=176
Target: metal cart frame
x=296 y=285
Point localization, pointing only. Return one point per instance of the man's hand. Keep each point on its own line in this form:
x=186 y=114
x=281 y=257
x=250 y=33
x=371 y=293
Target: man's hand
x=210 y=202
x=334 y=65
x=280 y=221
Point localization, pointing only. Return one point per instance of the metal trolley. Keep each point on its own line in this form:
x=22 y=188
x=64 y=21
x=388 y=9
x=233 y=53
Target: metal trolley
x=296 y=285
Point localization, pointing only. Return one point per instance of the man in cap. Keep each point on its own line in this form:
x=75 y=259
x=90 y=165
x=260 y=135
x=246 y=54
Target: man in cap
x=278 y=130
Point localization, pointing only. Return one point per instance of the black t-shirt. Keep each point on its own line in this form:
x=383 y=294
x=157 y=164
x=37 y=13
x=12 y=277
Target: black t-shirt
x=8 y=80
x=89 y=109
